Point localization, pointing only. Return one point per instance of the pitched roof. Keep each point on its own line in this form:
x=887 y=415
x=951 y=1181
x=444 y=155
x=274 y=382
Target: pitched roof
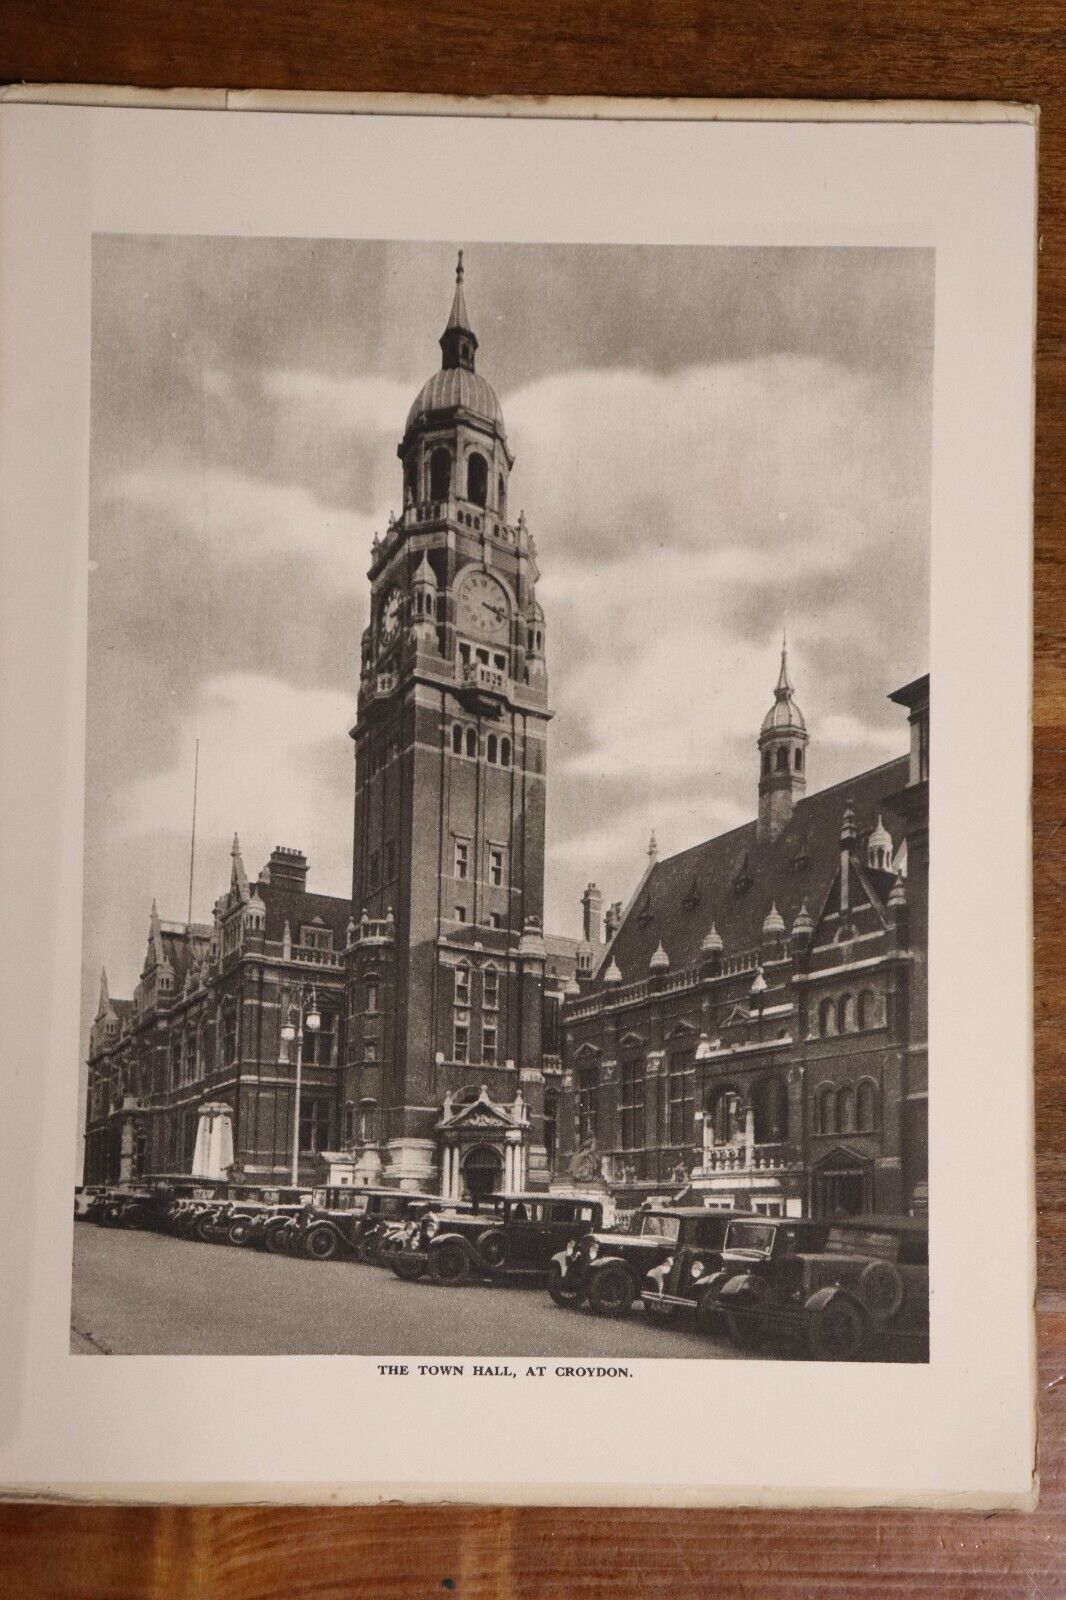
x=734 y=879
x=299 y=908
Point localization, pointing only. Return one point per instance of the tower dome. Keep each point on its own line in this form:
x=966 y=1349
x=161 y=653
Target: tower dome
x=454 y=445
x=712 y=941
x=782 y=758
x=458 y=385
x=660 y=961
x=773 y=924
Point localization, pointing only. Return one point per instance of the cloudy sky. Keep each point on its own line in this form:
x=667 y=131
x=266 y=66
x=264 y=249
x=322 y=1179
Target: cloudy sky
x=711 y=445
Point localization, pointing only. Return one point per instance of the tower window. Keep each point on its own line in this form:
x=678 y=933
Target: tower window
x=462 y=986
x=799 y=758
x=460 y=913
x=490 y=989
x=477 y=479
x=440 y=474
x=457 y=738
x=505 y=752
x=782 y=759
x=471 y=742
x=373 y=870
x=496 y=867
x=461 y=1038
x=488 y=1044
x=491 y=749
x=501 y=495
x=766 y=761
x=462 y=859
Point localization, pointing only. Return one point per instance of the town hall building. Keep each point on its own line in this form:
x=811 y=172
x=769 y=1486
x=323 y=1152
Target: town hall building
x=749 y=1028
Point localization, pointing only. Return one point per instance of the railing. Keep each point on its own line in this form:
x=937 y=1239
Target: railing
x=373 y=930
x=483 y=677
x=742 y=1158
x=741 y=961
x=309 y=956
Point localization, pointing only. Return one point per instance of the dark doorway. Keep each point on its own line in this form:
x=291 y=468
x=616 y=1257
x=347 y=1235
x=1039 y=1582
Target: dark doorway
x=483 y=1172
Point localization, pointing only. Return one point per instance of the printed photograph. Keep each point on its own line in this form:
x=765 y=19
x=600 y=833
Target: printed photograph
x=506 y=826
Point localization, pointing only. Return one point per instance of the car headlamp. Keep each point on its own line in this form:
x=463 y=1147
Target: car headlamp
x=593 y=1250
x=698 y=1269
x=430 y=1226
x=665 y=1266
x=570 y=1250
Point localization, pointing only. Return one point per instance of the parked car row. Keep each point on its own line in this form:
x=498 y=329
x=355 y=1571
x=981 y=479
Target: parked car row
x=839 y=1289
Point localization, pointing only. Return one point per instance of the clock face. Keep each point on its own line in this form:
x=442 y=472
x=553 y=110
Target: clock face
x=484 y=611
x=390 y=616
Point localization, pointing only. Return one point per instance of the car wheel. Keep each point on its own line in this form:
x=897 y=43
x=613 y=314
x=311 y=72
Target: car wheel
x=612 y=1292
x=277 y=1241
x=320 y=1244
x=450 y=1264
x=880 y=1289
x=239 y=1230
x=561 y=1295
x=403 y=1266
x=837 y=1331
x=202 y=1231
x=492 y=1248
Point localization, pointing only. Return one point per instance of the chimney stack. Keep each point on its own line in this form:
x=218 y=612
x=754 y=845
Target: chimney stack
x=592 y=906
x=286 y=869
x=614 y=918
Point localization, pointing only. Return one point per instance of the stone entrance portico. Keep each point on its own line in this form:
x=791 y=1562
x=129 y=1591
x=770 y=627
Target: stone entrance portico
x=483 y=1145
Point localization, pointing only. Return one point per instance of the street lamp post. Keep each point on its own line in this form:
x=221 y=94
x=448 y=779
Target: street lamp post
x=303 y=1013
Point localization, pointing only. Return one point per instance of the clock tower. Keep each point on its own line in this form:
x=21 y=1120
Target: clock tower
x=445 y=959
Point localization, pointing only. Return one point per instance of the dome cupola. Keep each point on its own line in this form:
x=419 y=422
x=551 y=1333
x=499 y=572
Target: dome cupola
x=782 y=758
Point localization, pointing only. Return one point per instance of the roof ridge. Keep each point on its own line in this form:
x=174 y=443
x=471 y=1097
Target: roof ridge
x=844 y=783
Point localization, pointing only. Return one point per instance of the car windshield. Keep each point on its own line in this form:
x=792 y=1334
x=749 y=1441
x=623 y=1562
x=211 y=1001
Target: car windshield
x=863 y=1242
x=754 y=1236
x=654 y=1227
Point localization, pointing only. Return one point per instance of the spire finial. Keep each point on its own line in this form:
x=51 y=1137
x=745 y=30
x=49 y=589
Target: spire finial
x=784 y=687
x=653 y=848
x=458 y=342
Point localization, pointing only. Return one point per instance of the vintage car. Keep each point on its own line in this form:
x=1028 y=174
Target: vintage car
x=688 y=1279
x=515 y=1238
x=352 y=1222
x=606 y=1269
x=841 y=1287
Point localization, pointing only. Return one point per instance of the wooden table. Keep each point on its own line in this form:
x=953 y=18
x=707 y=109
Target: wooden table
x=955 y=49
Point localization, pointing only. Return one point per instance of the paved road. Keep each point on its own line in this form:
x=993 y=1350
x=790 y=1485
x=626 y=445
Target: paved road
x=150 y=1294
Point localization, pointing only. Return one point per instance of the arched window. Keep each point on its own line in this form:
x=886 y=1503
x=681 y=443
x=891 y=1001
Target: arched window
x=477 y=479
x=827 y=1019
x=471 y=742
x=799 y=758
x=409 y=490
x=505 y=752
x=846 y=1014
x=846 y=1110
x=501 y=495
x=440 y=474
x=457 y=738
x=782 y=759
x=825 y=1110
x=770 y=1105
x=766 y=761
x=491 y=748
x=871 y=1014
x=867 y=1106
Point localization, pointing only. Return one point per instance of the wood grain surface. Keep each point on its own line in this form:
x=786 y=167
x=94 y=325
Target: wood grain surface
x=955 y=49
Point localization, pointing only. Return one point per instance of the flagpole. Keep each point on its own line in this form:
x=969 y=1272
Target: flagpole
x=192 y=844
